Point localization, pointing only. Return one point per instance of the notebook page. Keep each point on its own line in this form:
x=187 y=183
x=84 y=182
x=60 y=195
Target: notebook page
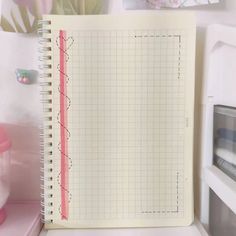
x=129 y=113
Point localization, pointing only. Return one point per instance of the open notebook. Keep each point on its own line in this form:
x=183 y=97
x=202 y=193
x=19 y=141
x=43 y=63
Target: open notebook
x=118 y=94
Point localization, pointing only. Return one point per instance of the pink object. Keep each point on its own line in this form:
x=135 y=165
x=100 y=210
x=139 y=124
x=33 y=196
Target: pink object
x=63 y=127
x=23 y=219
x=2 y=215
x=5 y=142
x=5 y=145
x=25 y=80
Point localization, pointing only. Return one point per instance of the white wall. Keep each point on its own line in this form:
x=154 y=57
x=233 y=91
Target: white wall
x=21 y=113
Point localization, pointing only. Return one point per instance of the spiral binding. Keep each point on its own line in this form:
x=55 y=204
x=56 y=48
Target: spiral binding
x=46 y=136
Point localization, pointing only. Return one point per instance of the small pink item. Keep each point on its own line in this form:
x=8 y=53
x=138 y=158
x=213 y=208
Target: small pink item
x=25 y=80
x=5 y=145
x=5 y=142
x=3 y=215
x=24 y=76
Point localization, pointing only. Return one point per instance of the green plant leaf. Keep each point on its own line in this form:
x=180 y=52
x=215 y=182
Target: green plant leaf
x=35 y=10
x=60 y=2
x=82 y=7
x=73 y=4
x=98 y=7
x=69 y=8
x=17 y=25
x=25 y=17
x=76 y=5
x=6 y=25
x=58 y=7
x=54 y=5
x=60 y=10
x=34 y=26
x=93 y=6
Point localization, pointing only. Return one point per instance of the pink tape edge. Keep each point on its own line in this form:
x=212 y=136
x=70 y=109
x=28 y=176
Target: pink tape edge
x=63 y=121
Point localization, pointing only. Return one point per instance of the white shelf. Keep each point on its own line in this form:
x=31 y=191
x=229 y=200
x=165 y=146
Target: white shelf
x=222 y=185
x=193 y=230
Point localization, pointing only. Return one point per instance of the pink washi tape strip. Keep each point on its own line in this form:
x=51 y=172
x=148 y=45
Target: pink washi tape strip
x=63 y=127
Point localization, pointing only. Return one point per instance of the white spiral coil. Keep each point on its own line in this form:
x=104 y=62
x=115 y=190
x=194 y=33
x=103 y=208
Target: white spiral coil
x=46 y=136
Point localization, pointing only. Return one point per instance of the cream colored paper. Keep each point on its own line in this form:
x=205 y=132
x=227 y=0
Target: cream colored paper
x=130 y=120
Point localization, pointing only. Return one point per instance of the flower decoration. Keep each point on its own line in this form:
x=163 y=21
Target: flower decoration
x=31 y=11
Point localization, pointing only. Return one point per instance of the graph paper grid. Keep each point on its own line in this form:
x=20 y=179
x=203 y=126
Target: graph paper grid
x=127 y=123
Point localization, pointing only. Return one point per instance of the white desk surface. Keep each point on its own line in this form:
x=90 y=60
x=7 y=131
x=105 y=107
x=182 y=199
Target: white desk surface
x=180 y=231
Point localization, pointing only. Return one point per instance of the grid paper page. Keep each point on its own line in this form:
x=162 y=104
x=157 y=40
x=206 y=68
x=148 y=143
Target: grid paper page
x=127 y=122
